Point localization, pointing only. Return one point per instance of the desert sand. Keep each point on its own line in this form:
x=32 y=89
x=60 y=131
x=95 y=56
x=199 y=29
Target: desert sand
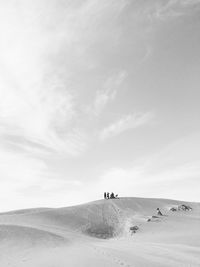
x=98 y=234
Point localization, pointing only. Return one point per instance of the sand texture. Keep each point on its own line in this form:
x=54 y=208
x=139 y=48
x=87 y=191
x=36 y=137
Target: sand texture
x=119 y=232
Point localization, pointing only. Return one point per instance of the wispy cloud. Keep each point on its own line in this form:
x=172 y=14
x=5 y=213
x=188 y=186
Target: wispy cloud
x=59 y=57
x=43 y=47
x=36 y=102
x=107 y=93
x=173 y=8
x=126 y=123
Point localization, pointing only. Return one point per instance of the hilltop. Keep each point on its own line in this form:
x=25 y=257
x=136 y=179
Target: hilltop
x=102 y=233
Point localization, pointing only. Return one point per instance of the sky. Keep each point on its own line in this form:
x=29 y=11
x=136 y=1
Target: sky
x=98 y=96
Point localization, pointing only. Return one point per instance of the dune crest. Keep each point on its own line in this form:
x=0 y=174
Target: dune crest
x=116 y=232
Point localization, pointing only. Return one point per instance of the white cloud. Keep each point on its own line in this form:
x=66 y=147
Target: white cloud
x=53 y=55
x=173 y=8
x=102 y=98
x=107 y=93
x=126 y=123
x=35 y=99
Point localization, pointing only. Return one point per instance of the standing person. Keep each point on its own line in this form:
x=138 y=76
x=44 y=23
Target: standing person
x=105 y=195
x=108 y=195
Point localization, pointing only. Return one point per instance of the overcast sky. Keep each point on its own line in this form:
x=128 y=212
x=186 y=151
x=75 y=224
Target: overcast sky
x=98 y=96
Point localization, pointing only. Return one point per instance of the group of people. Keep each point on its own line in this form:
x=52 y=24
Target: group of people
x=108 y=195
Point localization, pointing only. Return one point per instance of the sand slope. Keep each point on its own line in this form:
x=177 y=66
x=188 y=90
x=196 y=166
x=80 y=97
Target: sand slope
x=98 y=234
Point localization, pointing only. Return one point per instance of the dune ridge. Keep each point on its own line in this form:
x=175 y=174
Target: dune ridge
x=100 y=233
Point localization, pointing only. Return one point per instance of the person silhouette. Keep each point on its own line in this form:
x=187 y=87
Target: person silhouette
x=105 y=195
x=159 y=212
x=108 y=195
x=112 y=195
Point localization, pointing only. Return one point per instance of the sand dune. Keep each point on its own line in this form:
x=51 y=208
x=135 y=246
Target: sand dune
x=98 y=234
x=28 y=236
